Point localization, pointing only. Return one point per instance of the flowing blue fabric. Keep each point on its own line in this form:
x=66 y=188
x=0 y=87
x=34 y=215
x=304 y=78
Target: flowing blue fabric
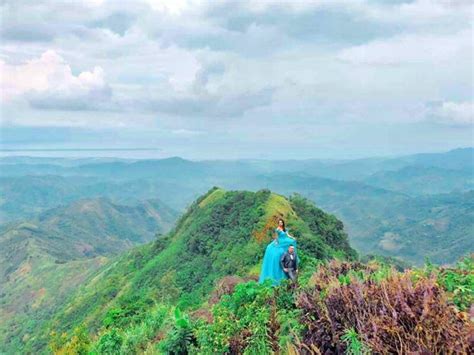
x=271 y=268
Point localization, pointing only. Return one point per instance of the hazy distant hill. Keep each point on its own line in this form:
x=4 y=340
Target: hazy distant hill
x=90 y=227
x=420 y=180
x=367 y=194
x=26 y=196
x=42 y=260
x=458 y=159
x=438 y=227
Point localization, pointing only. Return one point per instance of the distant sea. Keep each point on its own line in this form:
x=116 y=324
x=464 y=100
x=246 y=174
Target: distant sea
x=124 y=153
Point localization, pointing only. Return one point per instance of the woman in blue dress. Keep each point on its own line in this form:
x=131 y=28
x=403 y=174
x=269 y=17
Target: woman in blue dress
x=271 y=268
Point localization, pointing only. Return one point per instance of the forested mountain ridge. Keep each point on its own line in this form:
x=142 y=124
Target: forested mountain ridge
x=91 y=227
x=43 y=259
x=192 y=291
x=222 y=233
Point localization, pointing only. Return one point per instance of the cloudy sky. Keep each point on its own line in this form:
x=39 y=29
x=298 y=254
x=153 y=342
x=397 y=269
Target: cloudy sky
x=238 y=79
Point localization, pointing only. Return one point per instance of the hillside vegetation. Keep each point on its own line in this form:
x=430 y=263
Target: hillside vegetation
x=194 y=291
x=222 y=233
x=338 y=308
x=43 y=260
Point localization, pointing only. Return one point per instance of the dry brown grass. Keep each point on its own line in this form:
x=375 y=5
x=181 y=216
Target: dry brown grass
x=395 y=315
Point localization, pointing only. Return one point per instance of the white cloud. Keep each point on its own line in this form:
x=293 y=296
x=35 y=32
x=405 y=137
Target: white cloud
x=452 y=113
x=233 y=65
x=174 y=7
x=410 y=49
x=421 y=12
x=93 y=3
x=49 y=74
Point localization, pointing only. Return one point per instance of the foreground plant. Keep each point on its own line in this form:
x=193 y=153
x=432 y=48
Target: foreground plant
x=254 y=319
x=459 y=282
x=354 y=345
x=391 y=315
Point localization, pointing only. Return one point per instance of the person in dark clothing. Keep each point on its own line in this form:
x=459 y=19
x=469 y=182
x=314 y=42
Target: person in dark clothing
x=289 y=263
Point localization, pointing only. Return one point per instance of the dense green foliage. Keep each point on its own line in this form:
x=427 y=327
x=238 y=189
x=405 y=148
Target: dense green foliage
x=174 y=295
x=457 y=281
x=180 y=336
x=350 y=308
x=255 y=319
x=217 y=236
x=323 y=225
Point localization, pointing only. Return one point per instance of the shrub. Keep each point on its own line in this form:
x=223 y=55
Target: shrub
x=254 y=319
x=180 y=338
x=354 y=345
x=110 y=343
x=129 y=310
x=459 y=282
x=390 y=314
x=78 y=344
x=136 y=338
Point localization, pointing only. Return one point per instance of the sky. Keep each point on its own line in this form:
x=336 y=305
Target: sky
x=238 y=79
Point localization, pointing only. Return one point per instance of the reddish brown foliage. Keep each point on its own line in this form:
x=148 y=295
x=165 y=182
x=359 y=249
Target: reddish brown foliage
x=224 y=286
x=239 y=341
x=395 y=315
x=202 y=313
x=261 y=234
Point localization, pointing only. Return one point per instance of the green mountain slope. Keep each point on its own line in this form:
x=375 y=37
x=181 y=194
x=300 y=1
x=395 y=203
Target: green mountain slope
x=43 y=260
x=222 y=233
x=24 y=197
x=91 y=227
x=438 y=227
x=418 y=180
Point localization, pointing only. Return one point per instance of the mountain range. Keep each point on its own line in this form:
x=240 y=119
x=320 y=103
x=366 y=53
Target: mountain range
x=43 y=259
x=373 y=197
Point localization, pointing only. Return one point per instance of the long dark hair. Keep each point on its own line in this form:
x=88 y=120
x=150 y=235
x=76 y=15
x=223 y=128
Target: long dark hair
x=282 y=221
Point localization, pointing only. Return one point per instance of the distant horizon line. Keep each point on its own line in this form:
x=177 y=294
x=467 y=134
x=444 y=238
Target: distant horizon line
x=74 y=149
x=171 y=156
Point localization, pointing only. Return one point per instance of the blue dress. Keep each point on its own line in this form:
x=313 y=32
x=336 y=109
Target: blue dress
x=271 y=268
